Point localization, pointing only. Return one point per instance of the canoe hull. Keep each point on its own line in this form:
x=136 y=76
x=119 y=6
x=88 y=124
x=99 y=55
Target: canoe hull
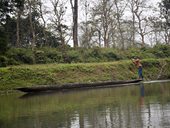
x=42 y=88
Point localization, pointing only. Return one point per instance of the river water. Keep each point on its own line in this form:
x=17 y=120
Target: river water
x=135 y=106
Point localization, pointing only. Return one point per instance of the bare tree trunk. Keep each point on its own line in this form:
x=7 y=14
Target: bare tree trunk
x=87 y=38
x=18 y=28
x=31 y=25
x=59 y=13
x=133 y=23
x=140 y=30
x=138 y=13
x=44 y=24
x=106 y=44
x=119 y=25
x=132 y=8
x=167 y=36
x=75 y=22
x=99 y=33
x=106 y=11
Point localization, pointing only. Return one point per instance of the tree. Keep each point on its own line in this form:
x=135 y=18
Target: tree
x=75 y=21
x=165 y=12
x=7 y=9
x=131 y=5
x=59 y=10
x=31 y=8
x=19 y=10
x=84 y=26
x=42 y=13
x=142 y=20
x=103 y=16
x=3 y=41
x=158 y=32
x=119 y=13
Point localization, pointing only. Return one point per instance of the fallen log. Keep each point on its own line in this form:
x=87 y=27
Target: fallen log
x=42 y=88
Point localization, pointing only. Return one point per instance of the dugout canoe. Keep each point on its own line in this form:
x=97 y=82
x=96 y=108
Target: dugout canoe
x=43 y=88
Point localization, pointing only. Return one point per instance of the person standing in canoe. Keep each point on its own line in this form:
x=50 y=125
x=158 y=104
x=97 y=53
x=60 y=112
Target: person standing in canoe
x=138 y=64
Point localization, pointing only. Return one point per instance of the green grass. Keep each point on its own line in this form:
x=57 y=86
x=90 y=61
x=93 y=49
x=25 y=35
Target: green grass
x=43 y=74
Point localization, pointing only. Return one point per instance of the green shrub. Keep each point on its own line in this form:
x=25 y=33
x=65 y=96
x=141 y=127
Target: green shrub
x=96 y=53
x=111 y=56
x=143 y=53
x=21 y=55
x=3 y=61
x=72 y=56
x=12 y=61
x=67 y=55
x=40 y=57
x=161 y=51
x=54 y=56
x=150 y=63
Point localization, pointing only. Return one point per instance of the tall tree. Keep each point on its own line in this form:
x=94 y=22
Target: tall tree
x=165 y=6
x=165 y=11
x=32 y=6
x=84 y=26
x=131 y=5
x=3 y=41
x=7 y=9
x=119 y=13
x=19 y=11
x=42 y=12
x=59 y=10
x=142 y=21
x=103 y=15
x=74 y=7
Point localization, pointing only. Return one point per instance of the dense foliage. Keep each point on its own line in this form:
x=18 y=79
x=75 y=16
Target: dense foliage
x=16 y=56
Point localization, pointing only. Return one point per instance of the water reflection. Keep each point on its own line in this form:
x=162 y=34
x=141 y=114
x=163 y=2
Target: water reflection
x=138 y=106
x=142 y=94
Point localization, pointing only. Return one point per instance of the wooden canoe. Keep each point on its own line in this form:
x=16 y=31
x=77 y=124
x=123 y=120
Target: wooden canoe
x=43 y=88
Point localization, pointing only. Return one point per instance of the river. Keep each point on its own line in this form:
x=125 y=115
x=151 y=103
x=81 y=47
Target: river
x=135 y=106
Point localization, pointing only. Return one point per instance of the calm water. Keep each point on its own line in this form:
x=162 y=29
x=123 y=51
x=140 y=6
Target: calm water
x=136 y=106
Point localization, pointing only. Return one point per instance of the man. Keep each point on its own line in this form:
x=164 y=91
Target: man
x=138 y=64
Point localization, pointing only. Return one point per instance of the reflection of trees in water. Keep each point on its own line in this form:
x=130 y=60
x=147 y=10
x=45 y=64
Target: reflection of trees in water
x=110 y=117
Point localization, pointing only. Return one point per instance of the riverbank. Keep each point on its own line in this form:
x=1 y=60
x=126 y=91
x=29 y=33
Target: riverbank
x=50 y=74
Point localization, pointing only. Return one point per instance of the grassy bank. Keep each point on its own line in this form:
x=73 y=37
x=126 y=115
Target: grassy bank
x=30 y=75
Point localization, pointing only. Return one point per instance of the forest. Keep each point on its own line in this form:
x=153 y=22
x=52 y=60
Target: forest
x=63 y=31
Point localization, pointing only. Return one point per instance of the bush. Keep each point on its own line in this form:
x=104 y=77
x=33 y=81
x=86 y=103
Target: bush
x=144 y=53
x=44 y=55
x=111 y=56
x=72 y=56
x=150 y=63
x=161 y=51
x=40 y=57
x=3 y=61
x=21 y=55
x=12 y=61
x=96 y=53
x=54 y=56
